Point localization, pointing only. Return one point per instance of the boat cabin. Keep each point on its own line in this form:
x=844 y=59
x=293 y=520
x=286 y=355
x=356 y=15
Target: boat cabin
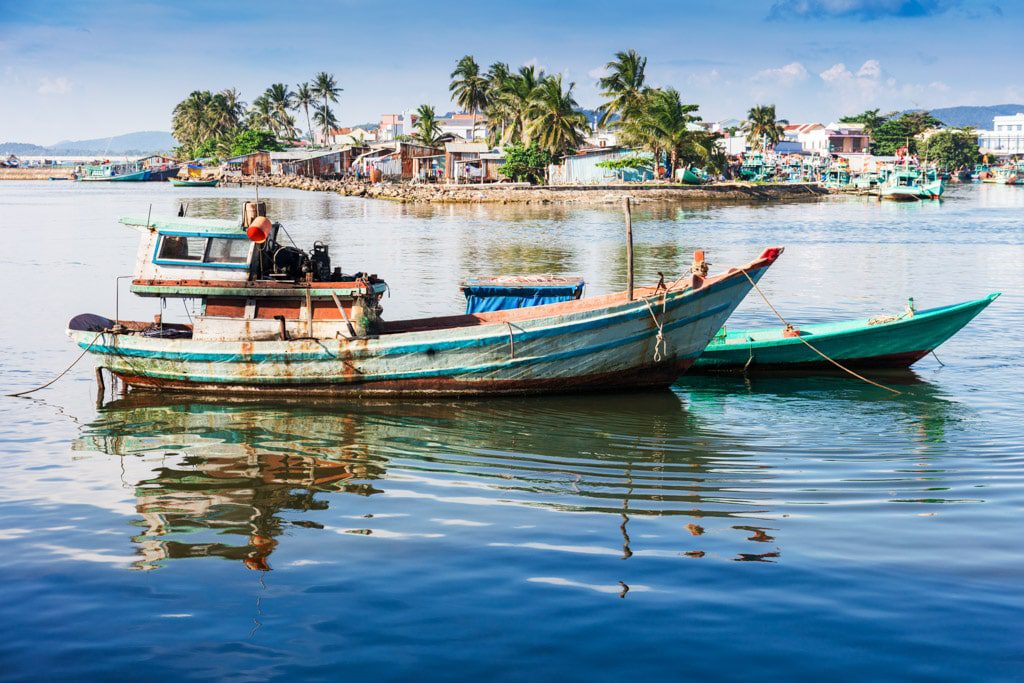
x=250 y=286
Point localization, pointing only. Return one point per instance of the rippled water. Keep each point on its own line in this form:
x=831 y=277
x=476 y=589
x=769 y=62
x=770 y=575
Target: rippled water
x=781 y=528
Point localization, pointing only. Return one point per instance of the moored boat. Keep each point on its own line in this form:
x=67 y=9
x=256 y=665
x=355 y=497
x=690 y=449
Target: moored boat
x=905 y=184
x=190 y=182
x=887 y=342
x=112 y=172
x=693 y=176
x=276 y=319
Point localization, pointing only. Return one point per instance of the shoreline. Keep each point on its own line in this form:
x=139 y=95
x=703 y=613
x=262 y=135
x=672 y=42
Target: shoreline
x=545 y=194
x=506 y=193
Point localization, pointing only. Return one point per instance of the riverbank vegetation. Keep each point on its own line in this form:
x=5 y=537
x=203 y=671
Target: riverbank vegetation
x=208 y=124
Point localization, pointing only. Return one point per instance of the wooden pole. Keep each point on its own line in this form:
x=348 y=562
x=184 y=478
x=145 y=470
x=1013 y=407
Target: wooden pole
x=629 y=248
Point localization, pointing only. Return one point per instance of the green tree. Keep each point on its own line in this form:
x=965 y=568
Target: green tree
x=525 y=162
x=469 y=87
x=305 y=97
x=249 y=141
x=323 y=117
x=763 y=128
x=870 y=118
x=664 y=122
x=555 y=122
x=203 y=117
x=511 y=107
x=428 y=130
x=954 y=148
x=901 y=131
x=326 y=88
x=280 y=100
x=623 y=86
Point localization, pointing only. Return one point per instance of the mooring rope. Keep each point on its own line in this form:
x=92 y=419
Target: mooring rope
x=66 y=370
x=812 y=347
x=659 y=340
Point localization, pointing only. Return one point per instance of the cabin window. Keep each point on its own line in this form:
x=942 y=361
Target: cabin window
x=228 y=251
x=178 y=248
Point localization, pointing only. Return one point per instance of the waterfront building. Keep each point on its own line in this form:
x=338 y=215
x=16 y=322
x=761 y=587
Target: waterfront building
x=836 y=138
x=464 y=127
x=1006 y=137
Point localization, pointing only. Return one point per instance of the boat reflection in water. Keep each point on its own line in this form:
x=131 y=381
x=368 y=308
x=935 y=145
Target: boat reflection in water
x=228 y=479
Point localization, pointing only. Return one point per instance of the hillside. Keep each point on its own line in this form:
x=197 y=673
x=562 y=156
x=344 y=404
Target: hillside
x=130 y=143
x=142 y=142
x=21 y=148
x=975 y=116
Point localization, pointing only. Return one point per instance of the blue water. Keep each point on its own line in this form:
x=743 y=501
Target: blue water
x=776 y=528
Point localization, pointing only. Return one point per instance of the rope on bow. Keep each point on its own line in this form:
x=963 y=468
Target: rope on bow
x=810 y=346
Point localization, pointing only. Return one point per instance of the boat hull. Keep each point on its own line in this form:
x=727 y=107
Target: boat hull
x=193 y=183
x=857 y=344
x=605 y=343
x=137 y=176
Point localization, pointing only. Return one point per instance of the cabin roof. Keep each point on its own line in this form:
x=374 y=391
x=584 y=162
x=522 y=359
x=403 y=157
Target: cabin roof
x=218 y=226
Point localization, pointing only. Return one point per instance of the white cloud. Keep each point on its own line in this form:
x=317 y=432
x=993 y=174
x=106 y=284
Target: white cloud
x=789 y=74
x=870 y=69
x=836 y=73
x=56 y=86
x=871 y=87
x=598 y=72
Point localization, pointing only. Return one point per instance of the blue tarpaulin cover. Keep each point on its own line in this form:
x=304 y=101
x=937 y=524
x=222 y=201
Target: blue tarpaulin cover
x=485 y=296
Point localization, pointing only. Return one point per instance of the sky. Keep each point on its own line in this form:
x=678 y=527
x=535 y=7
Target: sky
x=75 y=69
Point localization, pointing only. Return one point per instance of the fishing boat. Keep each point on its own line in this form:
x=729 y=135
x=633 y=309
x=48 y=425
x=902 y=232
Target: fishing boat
x=896 y=341
x=112 y=172
x=692 y=176
x=905 y=184
x=190 y=182
x=1009 y=174
x=837 y=175
x=277 y=319
x=755 y=167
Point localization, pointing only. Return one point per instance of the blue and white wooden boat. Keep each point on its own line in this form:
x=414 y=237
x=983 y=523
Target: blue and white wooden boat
x=275 y=319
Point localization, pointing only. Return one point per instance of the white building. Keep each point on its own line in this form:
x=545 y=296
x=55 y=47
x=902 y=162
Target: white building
x=1006 y=136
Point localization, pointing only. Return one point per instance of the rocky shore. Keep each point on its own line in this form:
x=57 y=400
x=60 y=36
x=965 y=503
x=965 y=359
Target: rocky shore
x=523 y=194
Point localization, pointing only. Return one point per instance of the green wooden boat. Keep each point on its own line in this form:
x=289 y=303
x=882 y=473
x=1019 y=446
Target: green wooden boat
x=181 y=182
x=887 y=342
x=694 y=176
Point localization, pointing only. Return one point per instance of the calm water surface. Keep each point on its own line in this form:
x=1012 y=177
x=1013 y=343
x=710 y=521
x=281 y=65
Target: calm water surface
x=778 y=528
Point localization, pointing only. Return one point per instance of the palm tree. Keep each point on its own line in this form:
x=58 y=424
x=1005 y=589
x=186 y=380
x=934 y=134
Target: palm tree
x=187 y=120
x=304 y=97
x=428 y=130
x=623 y=86
x=324 y=86
x=763 y=129
x=280 y=99
x=324 y=118
x=670 y=122
x=497 y=76
x=469 y=87
x=555 y=122
x=233 y=104
x=261 y=114
x=512 y=103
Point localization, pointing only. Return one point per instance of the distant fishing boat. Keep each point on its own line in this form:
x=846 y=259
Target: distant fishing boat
x=837 y=175
x=1011 y=174
x=189 y=182
x=112 y=172
x=277 y=319
x=904 y=184
x=888 y=342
